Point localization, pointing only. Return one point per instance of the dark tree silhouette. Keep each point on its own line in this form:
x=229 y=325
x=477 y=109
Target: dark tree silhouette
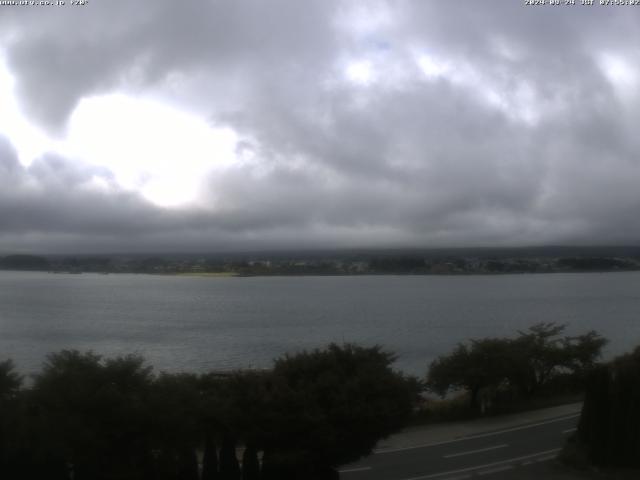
x=330 y=407
x=94 y=413
x=92 y=418
x=609 y=428
x=524 y=364
x=250 y=464
x=187 y=464
x=10 y=381
x=229 y=466
x=210 y=459
x=482 y=364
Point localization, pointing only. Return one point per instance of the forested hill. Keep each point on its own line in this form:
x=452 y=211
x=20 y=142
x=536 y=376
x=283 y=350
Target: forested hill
x=24 y=262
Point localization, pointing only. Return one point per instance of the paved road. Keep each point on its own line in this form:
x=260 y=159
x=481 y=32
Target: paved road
x=483 y=455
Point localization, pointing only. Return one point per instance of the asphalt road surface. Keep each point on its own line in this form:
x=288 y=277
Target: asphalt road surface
x=484 y=455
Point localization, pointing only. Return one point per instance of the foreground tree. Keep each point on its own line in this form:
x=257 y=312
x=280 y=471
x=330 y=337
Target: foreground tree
x=10 y=380
x=330 y=407
x=481 y=364
x=12 y=425
x=583 y=352
x=94 y=414
x=210 y=459
x=524 y=364
x=175 y=405
x=87 y=417
x=540 y=353
x=229 y=465
x=609 y=428
x=250 y=464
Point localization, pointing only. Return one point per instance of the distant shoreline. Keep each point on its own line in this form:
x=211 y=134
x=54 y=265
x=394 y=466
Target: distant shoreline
x=400 y=263
x=328 y=274
x=201 y=274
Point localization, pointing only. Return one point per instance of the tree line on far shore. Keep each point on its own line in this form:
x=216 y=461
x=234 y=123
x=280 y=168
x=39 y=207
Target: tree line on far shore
x=520 y=261
x=85 y=417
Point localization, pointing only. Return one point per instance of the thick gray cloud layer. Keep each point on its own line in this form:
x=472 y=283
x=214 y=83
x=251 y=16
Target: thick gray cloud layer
x=475 y=123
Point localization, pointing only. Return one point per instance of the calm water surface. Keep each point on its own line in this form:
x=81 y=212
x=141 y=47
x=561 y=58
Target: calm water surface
x=193 y=323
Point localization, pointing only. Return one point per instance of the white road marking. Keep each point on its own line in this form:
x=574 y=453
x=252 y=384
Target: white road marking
x=359 y=469
x=487 y=465
x=569 y=430
x=495 y=470
x=470 y=452
x=480 y=435
x=545 y=458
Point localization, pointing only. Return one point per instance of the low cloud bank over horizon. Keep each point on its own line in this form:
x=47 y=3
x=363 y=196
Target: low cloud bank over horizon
x=218 y=126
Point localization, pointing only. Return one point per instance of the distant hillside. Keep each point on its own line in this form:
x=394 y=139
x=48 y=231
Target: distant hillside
x=24 y=262
x=485 y=260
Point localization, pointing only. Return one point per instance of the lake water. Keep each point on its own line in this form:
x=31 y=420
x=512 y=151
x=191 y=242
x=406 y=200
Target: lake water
x=195 y=323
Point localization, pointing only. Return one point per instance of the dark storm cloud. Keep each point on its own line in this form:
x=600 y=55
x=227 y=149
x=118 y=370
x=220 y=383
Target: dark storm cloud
x=56 y=195
x=62 y=54
x=521 y=135
x=58 y=205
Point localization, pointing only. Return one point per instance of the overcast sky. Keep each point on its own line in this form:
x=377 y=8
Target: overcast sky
x=163 y=125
